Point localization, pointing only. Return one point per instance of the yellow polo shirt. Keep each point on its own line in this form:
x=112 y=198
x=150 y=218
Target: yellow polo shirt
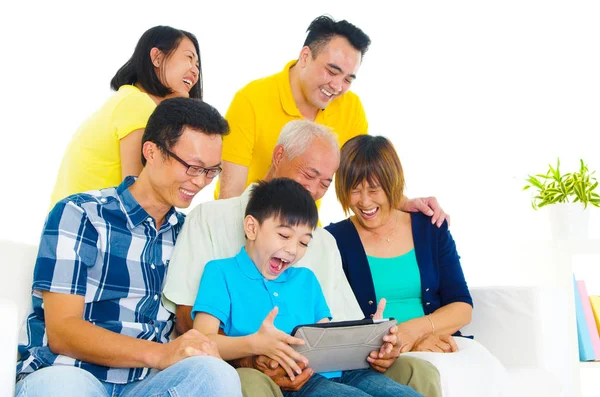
x=93 y=158
x=259 y=111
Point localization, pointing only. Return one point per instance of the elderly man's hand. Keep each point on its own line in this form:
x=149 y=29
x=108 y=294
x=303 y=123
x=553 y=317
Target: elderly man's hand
x=427 y=205
x=273 y=370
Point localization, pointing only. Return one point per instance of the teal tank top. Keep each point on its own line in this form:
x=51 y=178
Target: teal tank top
x=398 y=281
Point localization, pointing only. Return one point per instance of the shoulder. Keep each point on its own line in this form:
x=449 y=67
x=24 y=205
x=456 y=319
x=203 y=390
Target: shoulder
x=324 y=237
x=219 y=266
x=257 y=88
x=422 y=223
x=339 y=229
x=90 y=201
x=302 y=275
x=214 y=211
x=72 y=212
x=130 y=96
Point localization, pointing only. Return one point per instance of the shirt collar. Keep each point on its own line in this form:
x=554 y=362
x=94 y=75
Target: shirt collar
x=251 y=271
x=134 y=212
x=285 y=91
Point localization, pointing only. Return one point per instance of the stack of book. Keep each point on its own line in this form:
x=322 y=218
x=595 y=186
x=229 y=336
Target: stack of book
x=587 y=311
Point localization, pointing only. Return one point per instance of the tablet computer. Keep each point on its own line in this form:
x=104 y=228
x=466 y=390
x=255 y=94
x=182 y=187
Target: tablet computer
x=342 y=345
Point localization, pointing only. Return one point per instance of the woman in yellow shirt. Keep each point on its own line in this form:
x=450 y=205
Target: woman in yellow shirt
x=106 y=148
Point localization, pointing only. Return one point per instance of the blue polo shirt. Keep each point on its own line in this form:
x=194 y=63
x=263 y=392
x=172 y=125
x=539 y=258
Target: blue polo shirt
x=235 y=292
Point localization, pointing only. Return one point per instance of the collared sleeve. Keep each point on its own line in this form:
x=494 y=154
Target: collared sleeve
x=67 y=248
x=453 y=286
x=213 y=294
x=340 y=297
x=192 y=251
x=238 y=146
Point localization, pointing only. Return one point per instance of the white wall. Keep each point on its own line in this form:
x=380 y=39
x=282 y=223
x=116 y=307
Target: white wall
x=474 y=94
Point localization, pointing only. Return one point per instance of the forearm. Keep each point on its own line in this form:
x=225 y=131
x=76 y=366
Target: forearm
x=450 y=318
x=85 y=341
x=183 y=322
x=232 y=180
x=233 y=348
x=446 y=320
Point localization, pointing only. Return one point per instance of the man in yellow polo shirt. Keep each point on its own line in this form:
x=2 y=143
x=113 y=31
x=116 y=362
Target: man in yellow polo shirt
x=313 y=87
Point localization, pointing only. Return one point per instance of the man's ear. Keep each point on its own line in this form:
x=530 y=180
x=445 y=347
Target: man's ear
x=156 y=56
x=305 y=53
x=150 y=151
x=250 y=227
x=278 y=157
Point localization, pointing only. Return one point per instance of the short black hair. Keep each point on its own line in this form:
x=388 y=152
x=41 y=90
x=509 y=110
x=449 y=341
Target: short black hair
x=284 y=199
x=139 y=68
x=171 y=116
x=322 y=29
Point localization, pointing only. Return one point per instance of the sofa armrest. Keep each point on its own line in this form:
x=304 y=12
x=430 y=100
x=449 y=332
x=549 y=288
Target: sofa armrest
x=506 y=320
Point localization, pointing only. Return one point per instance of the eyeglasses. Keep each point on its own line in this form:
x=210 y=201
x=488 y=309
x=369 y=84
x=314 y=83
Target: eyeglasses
x=194 y=170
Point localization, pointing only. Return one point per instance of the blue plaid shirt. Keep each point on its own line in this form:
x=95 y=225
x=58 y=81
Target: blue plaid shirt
x=104 y=246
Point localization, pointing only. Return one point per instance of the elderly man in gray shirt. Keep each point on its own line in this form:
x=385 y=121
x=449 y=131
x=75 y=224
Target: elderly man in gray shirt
x=309 y=154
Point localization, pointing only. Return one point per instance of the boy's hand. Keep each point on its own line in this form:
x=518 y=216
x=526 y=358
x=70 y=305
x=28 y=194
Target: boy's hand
x=273 y=370
x=275 y=344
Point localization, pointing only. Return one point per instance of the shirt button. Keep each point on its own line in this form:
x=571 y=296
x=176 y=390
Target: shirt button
x=372 y=315
x=275 y=294
x=427 y=303
x=426 y=289
x=103 y=200
x=370 y=302
x=156 y=298
x=152 y=266
x=149 y=220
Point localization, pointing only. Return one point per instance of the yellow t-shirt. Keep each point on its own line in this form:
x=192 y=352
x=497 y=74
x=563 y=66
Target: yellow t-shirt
x=93 y=158
x=259 y=111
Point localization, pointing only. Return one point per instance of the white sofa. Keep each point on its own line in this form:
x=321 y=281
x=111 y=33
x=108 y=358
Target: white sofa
x=521 y=326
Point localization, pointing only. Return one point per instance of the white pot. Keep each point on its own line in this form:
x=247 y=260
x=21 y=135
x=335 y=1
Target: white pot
x=568 y=221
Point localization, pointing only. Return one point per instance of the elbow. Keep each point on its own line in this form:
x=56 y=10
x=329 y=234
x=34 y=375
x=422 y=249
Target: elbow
x=467 y=314
x=56 y=343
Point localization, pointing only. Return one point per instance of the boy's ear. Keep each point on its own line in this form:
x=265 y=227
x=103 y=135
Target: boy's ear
x=250 y=227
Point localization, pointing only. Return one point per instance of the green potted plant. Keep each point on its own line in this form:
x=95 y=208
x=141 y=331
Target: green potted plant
x=566 y=197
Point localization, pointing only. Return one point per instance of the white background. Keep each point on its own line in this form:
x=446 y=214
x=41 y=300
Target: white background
x=474 y=94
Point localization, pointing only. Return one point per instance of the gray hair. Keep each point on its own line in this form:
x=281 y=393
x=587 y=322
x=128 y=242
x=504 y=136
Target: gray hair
x=297 y=135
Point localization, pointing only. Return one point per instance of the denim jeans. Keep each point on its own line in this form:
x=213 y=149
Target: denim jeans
x=359 y=383
x=192 y=377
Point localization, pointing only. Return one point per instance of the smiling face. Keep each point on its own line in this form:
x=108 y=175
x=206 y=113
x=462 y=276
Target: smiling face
x=169 y=178
x=313 y=169
x=180 y=71
x=329 y=74
x=274 y=246
x=370 y=204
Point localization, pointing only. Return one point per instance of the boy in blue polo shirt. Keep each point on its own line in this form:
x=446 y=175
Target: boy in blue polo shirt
x=257 y=297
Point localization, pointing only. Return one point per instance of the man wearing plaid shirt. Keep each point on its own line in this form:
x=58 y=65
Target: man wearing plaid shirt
x=98 y=327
